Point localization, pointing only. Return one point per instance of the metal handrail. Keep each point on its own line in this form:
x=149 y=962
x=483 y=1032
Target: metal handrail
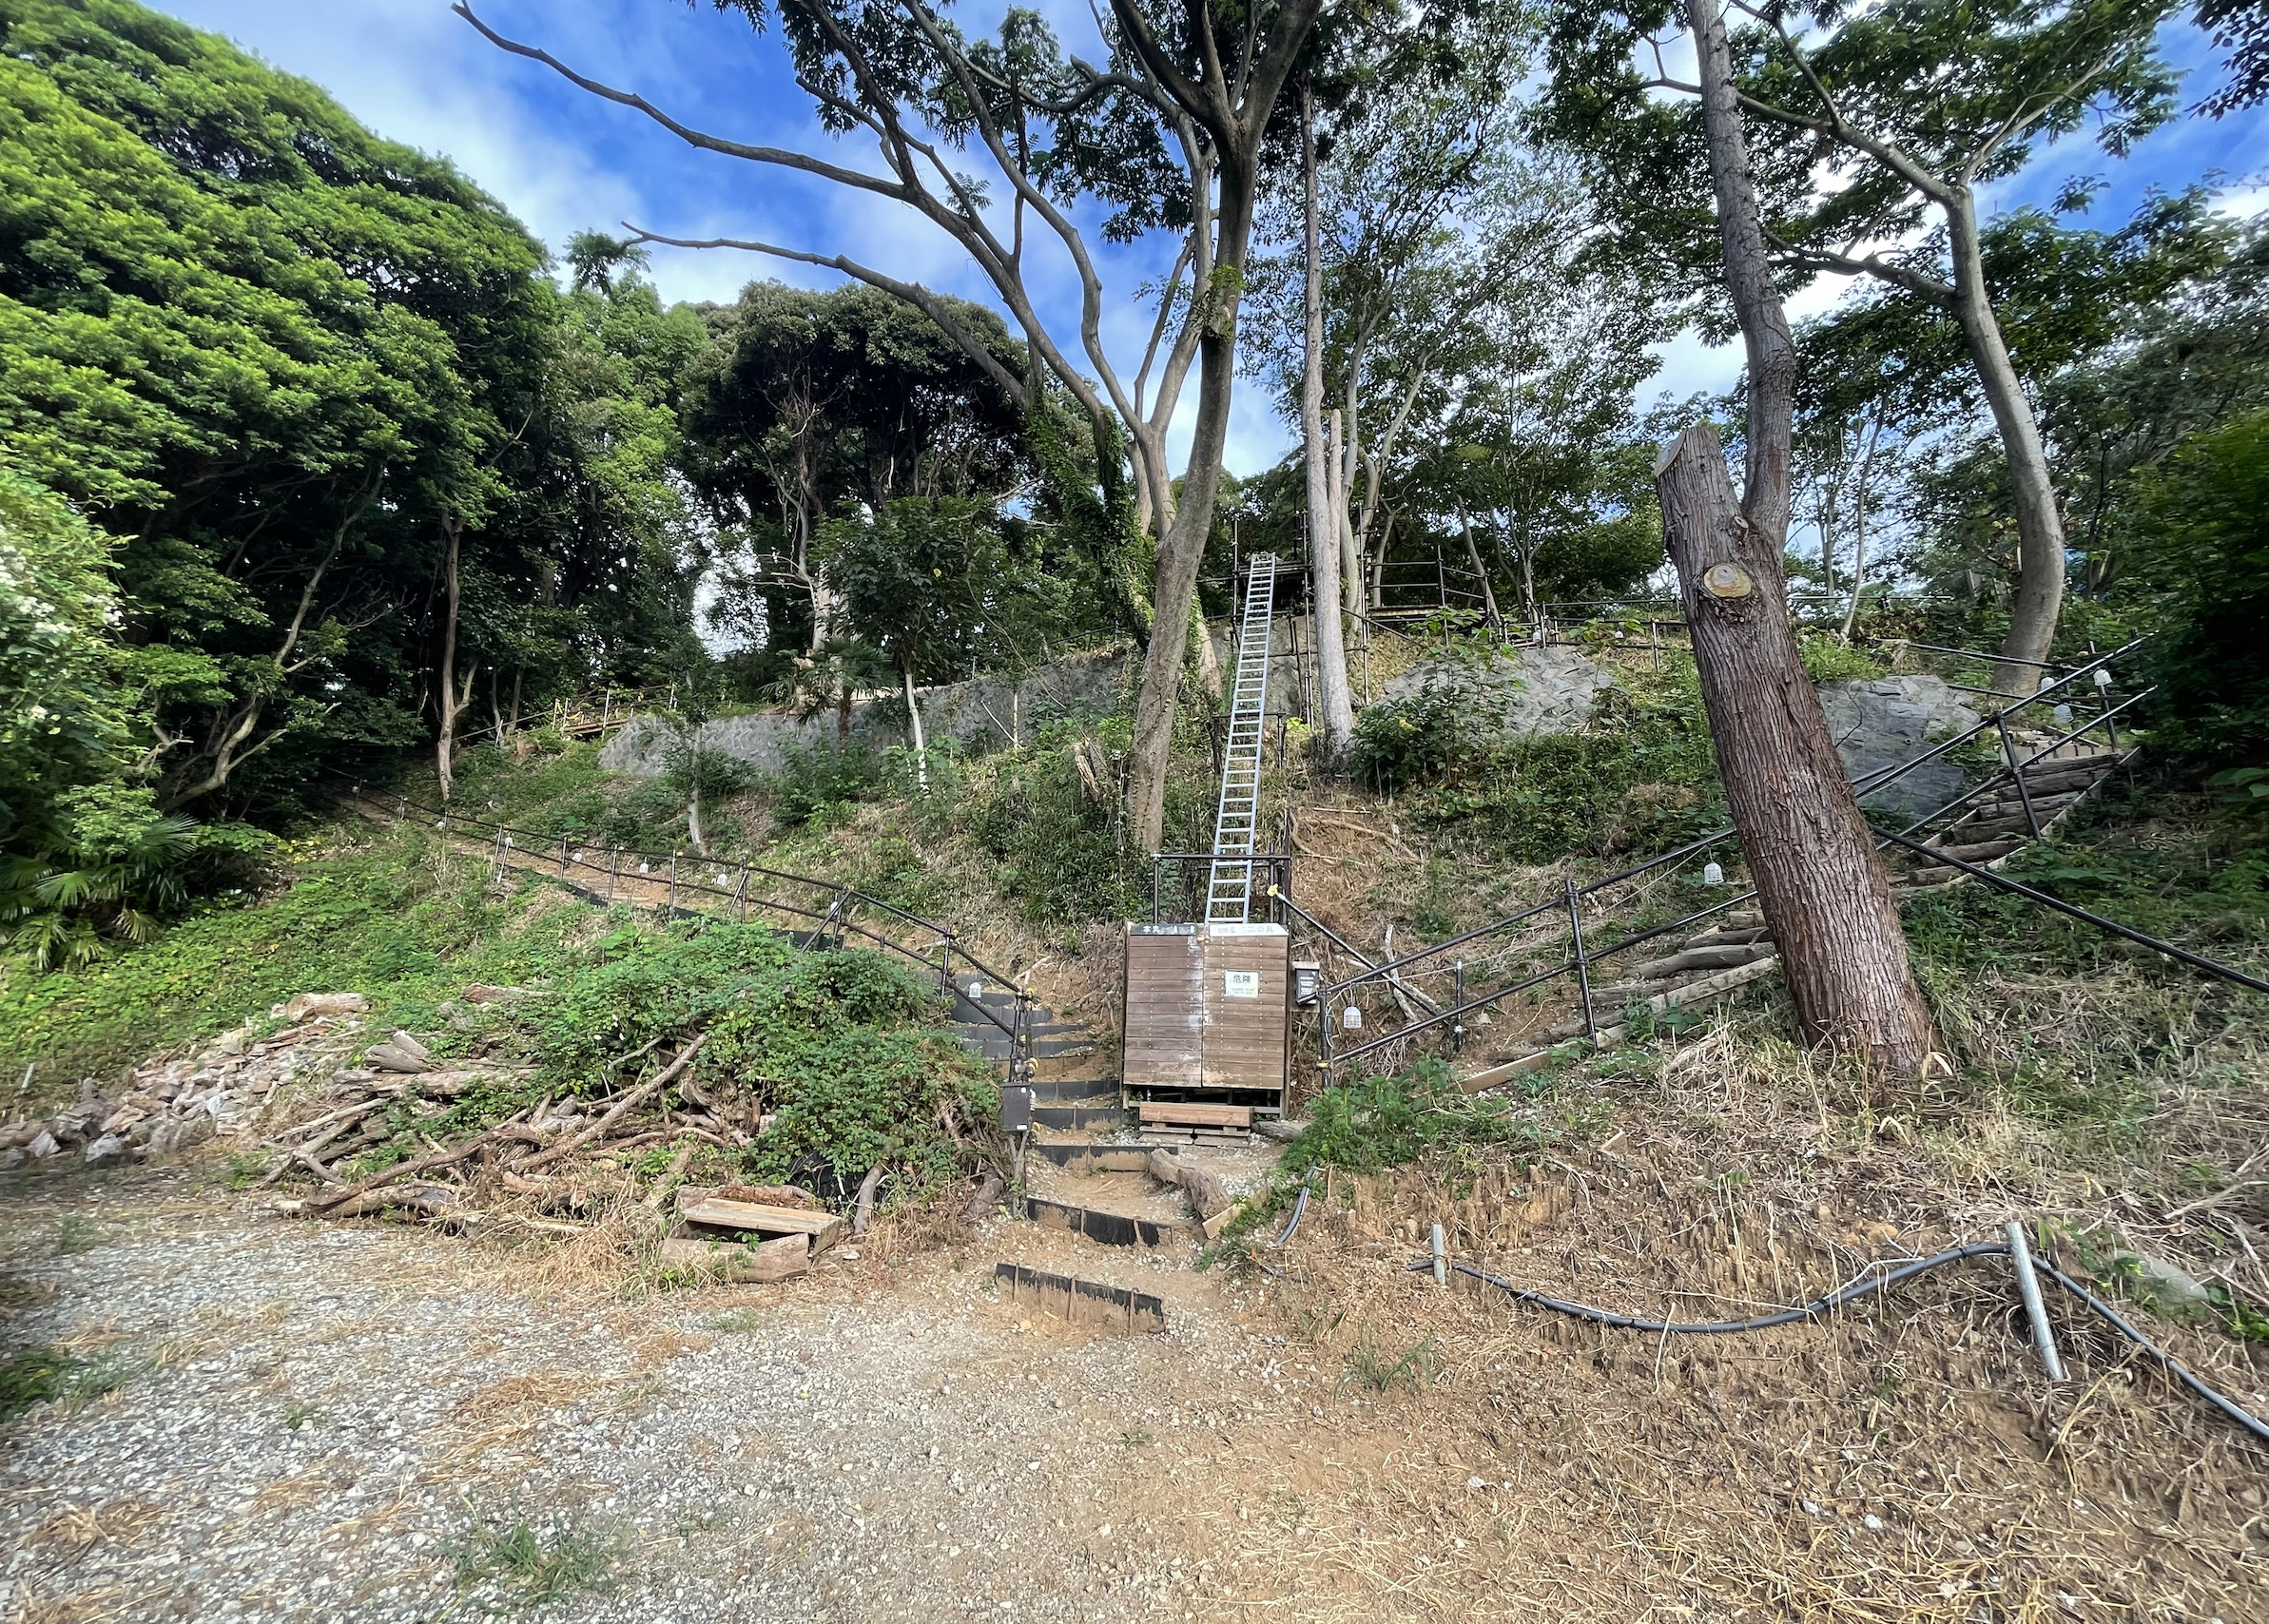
x=1394 y=970
x=838 y=912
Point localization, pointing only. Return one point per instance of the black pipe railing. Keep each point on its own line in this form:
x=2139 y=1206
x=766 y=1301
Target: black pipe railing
x=1397 y=972
x=834 y=922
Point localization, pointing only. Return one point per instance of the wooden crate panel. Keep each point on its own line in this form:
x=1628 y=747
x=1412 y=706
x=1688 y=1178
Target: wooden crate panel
x=1165 y=1011
x=1247 y=973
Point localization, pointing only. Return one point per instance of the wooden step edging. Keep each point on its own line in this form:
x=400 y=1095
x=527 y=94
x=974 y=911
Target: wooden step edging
x=1607 y=1037
x=1107 y=1229
x=1082 y=1301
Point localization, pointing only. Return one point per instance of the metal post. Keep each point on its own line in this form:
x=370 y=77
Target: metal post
x=1155 y=860
x=670 y=906
x=1457 y=1030
x=2029 y=1287
x=1584 y=977
x=614 y=867
x=2008 y=751
x=563 y=854
x=1441 y=1259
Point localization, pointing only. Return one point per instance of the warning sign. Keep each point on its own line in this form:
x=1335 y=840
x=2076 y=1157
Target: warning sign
x=1241 y=983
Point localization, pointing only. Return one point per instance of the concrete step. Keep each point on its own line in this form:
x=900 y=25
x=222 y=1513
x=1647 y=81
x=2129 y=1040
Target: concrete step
x=1075 y=1091
x=1083 y=1116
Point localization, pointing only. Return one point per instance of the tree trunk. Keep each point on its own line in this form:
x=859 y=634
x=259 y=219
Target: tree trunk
x=1866 y=463
x=1335 y=705
x=2040 y=524
x=922 y=754
x=1811 y=853
x=1343 y=495
x=1473 y=556
x=1749 y=277
x=455 y=699
x=1207 y=662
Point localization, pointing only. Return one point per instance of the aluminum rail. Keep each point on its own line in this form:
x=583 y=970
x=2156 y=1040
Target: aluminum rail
x=1237 y=815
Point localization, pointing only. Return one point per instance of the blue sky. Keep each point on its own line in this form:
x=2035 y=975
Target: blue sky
x=562 y=160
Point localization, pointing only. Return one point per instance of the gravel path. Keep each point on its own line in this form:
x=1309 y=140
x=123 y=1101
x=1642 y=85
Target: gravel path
x=323 y=1422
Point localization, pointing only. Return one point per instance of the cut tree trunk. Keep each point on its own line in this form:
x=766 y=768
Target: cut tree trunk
x=1809 y=851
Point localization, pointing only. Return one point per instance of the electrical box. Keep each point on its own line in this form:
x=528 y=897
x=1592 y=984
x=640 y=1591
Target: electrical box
x=1208 y=1011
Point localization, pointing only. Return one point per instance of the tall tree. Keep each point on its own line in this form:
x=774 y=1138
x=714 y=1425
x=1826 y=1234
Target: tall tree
x=809 y=404
x=1170 y=135
x=1336 y=707
x=1867 y=121
x=1825 y=895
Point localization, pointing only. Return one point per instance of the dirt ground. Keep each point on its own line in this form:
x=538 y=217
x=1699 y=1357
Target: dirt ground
x=320 y=1422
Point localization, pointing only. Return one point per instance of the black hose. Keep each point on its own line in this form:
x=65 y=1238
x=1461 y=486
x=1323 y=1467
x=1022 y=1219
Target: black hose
x=1851 y=1293
x=1812 y=1310
x=2175 y=1368
x=1299 y=1208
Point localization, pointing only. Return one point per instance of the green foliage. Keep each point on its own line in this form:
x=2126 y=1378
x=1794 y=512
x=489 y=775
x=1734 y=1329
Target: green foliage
x=1400 y=743
x=49 y=1375
x=1643 y=775
x=834 y=1043
x=1376 y=1123
x=535 y=1568
x=371 y=916
x=2201 y=540
x=933 y=582
x=819 y=787
x=1372 y=1369
x=1829 y=659
x=1062 y=856
x=116 y=870
x=61 y=716
x=275 y=353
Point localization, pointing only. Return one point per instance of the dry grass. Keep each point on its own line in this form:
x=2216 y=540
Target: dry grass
x=1558 y=1469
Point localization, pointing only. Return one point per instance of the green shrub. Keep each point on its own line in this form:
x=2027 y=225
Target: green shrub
x=1379 y=1123
x=2201 y=559
x=1829 y=659
x=819 y=787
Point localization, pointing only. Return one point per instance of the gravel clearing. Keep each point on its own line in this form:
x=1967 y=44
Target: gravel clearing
x=320 y=1422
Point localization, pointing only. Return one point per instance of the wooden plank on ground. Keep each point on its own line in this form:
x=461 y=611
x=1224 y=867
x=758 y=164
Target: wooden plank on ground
x=720 y=1214
x=1197 y=1115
